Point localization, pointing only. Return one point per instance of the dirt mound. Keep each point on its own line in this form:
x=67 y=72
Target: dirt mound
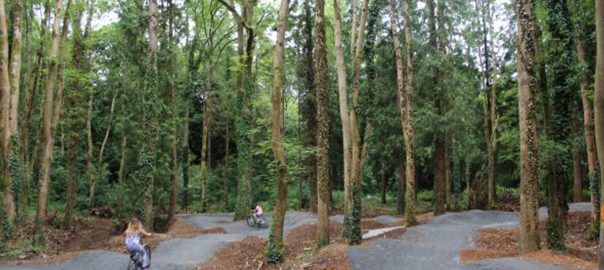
x=581 y=248
x=91 y=234
x=332 y=257
x=244 y=254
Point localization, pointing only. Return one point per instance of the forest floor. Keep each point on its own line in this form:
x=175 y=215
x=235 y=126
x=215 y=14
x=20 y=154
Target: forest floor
x=213 y=241
x=582 y=251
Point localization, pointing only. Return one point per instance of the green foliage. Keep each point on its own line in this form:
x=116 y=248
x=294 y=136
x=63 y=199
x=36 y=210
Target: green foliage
x=275 y=253
x=426 y=195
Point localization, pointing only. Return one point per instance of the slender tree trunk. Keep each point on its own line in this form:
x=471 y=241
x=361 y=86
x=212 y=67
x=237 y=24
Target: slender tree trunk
x=203 y=168
x=121 y=176
x=5 y=128
x=577 y=168
x=49 y=114
x=101 y=159
x=343 y=104
x=149 y=120
x=15 y=64
x=599 y=110
x=275 y=246
x=74 y=122
x=588 y=127
x=355 y=235
x=89 y=153
x=322 y=90
x=383 y=175
x=225 y=177
x=408 y=123
x=185 y=161
x=310 y=105
x=529 y=137
x=439 y=176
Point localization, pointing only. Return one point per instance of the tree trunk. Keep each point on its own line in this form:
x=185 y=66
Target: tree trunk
x=275 y=248
x=588 y=128
x=89 y=160
x=577 y=168
x=5 y=128
x=185 y=161
x=121 y=176
x=559 y=24
x=383 y=174
x=439 y=176
x=343 y=105
x=355 y=235
x=48 y=114
x=408 y=123
x=599 y=111
x=74 y=123
x=101 y=159
x=203 y=168
x=322 y=90
x=149 y=120
x=15 y=65
x=225 y=177
x=529 y=137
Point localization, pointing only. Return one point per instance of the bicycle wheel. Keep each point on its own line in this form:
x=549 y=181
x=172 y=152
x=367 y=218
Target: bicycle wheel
x=132 y=265
x=250 y=221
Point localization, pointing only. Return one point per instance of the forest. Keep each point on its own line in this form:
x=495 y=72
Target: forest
x=170 y=110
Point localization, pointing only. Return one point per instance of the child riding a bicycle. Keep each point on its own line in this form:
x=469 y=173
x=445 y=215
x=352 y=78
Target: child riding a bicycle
x=258 y=212
x=133 y=241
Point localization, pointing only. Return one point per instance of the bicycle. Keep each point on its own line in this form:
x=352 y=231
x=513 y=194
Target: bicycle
x=136 y=259
x=260 y=223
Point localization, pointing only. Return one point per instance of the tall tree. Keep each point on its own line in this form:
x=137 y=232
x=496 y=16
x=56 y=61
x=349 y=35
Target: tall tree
x=561 y=52
x=246 y=45
x=529 y=138
x=588 y=113
x=50 y=114
x=309 y=106
x=358 y=152
x=322 y=90
x=275 y=246
x=343 y=106
x=149 y=117
x=599 y=110
x=408 y=124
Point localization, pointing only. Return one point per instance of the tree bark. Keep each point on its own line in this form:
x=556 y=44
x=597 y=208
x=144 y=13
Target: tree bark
x=275 y=245
x=185 y=160
x=89 y=153
x=5 y=127
x=588 y=126
x=203 y=168
x=310 y=107
x=322 y=90
x=408 y=123
x=15 y=65
x=74 y=122
x=149 y=120
x=122 y=175
x=599 y=110
x=49 y=114
x=577 y=168
x=343 y=104
x=529 y=137
x=101 y=159
x=355 y=233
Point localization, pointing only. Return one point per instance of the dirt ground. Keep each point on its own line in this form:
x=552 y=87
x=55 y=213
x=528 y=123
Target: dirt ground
x=300 y=249
x=581 y=248
x=92 y=234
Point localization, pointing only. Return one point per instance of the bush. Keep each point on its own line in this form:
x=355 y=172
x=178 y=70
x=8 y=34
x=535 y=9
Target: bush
x=426 y=195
